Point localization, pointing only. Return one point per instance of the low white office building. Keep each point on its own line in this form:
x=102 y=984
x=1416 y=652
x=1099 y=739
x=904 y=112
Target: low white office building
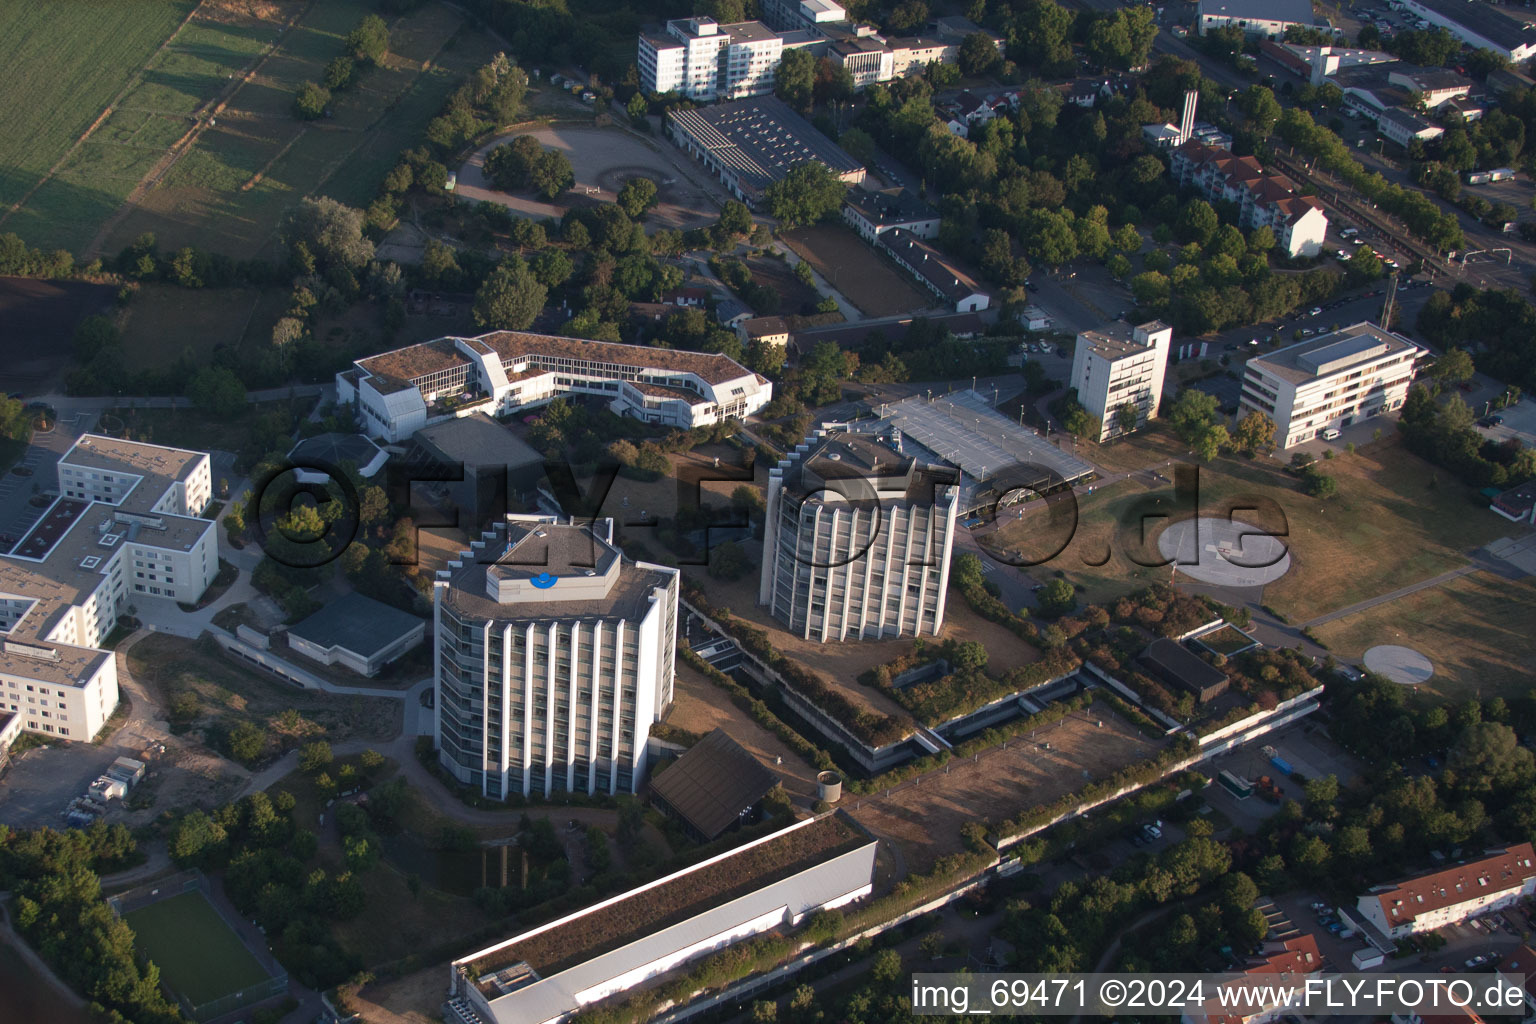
x=857 y=540
x=549 y=973
x=1479 y=25
x=1329 y=382
x=1497 y=880
x=1120 y=365
x=399 y=392
x=1268 y=18
x=124 y=528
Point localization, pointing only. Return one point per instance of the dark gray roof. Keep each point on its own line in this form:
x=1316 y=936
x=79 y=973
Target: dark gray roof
x=334 y=449
x=712 y=783
x=1492 y=23
x=477 y=440
x=1296 y=11
x=356 y=623
x=1176 y=664
x=761 y=139
x=892 y=206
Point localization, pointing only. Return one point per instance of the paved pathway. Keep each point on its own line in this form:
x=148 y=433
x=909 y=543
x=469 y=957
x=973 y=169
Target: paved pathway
x=1380 y=599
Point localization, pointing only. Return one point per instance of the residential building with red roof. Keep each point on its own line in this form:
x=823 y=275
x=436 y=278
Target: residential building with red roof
x=1440 y=898
x=1278 y=963
x=1263 y=199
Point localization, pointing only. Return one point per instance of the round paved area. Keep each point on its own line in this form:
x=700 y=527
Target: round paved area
x=1224 y=552
x=1399 y=664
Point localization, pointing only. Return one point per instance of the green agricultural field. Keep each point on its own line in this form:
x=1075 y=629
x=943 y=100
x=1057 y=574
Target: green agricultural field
x=198 y=955
x=231 y=188
x=61 y=65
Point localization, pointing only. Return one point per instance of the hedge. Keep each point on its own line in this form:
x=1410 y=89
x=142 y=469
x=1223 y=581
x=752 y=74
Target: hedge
x=985 y=740
x=1140 y=773
x=742 y=698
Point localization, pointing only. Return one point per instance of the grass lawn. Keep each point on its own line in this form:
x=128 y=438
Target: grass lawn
x=199 y=956
x=192 y=428
x=1395 y=520
x=164 y=322
x=1476 y=630
x=60 y=66
x=1092 y=550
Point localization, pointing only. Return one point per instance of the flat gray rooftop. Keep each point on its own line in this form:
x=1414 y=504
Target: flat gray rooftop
x=356 y=623
x=965 y=431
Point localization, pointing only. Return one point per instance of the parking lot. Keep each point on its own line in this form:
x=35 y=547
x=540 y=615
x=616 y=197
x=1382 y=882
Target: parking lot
x=41 y=782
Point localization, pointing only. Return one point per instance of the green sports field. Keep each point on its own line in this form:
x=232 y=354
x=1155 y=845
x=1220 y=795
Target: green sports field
x=199 y=957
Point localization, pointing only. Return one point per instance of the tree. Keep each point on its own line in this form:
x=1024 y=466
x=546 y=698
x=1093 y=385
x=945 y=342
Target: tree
x=1127 y=416
x=1258 y=103
x=1255 y=432
x=1452 y=368
x=1488 y=755
x=330 y=231
x=728 y=561
x=196 y=841
x=1058 y=597
x=1191 y=413
x=310 y=101
x=637 y=196
x=314 y=756
x=369 y=41
x=246 y=742
x=1197 y=222
x=339 y=72
x=1319 y=484
x=859 y=144
x=1211 y=441
x=794 y=79
x=510 y=298
x=551 y=174
x=509 y=164
x=735 y=218
x=809 y=193
x=979 y=56
x=217 y=391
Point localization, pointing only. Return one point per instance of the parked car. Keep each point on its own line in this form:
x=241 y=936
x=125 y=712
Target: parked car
x=1315 y=311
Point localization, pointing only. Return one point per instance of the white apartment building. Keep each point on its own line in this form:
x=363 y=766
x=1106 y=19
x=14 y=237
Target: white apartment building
x=706 y=61
x=1263 y=199
x=857 y=541
x=397 y=393
x=553 y=658
x=123 y=528
x=1331 y=381
x=1499 y=879
x=1121 y=365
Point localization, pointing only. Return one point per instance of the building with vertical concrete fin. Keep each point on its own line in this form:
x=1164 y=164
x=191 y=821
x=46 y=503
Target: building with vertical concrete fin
x=857 y=540
x=554 y=657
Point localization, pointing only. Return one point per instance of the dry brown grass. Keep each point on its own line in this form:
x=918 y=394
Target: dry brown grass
x=843 y=259
x=925 y=820
x=1475 y=629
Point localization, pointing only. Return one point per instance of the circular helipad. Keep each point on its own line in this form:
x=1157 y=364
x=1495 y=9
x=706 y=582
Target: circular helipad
x=1224 y=552
x=1399 y=664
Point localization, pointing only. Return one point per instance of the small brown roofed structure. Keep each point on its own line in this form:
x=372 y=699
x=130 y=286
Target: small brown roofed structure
x=1170 y=661
x=712 y=785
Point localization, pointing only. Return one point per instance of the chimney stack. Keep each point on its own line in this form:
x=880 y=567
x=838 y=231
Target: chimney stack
x=1187 y=122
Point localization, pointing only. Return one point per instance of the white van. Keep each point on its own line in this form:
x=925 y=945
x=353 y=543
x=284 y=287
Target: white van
x=1331 y=434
